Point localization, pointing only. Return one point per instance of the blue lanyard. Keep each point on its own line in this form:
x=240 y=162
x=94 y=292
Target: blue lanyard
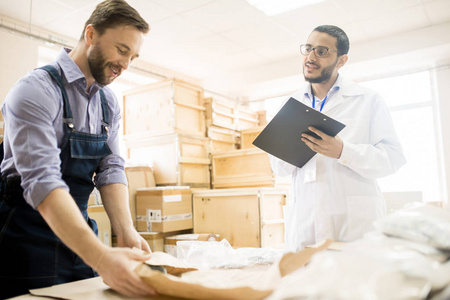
x=314 y=100
x=321 y=106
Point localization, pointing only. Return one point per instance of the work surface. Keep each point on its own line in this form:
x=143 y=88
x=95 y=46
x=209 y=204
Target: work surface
x=240 y=277
x=406 y=257
x=93 y=288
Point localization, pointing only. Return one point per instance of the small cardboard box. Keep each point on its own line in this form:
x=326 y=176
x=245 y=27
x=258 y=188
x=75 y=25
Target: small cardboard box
x=154 y=239
x=138 y=177
x=164 y=209
x=98 y=213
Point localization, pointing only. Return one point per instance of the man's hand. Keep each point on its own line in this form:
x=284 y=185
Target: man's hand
x=328 y=145
x=132 y=239
x=116 y=267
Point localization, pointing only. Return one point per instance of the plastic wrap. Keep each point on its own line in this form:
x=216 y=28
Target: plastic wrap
x=210 y=255
x=419 y=222
x=377 y=267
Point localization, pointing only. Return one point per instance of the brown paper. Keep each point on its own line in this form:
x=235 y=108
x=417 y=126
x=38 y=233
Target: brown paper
x=293 y=261
x=168 y=285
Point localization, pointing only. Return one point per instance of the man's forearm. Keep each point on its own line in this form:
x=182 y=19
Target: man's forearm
x=115 y=200
x=63 y=216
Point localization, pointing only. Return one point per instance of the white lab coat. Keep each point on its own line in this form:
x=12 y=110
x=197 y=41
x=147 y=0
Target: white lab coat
x=339 y=198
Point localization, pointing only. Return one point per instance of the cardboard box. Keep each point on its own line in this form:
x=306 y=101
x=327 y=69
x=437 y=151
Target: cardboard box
x=154 y=239
x=98 y=213
x=138 y=177
x=164 y=209
x=95 y=198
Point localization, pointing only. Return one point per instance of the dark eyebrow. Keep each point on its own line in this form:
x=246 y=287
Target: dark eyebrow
x=128 y=48
x=124 y=46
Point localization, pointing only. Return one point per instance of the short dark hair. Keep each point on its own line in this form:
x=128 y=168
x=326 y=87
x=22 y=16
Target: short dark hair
x=112 y=13
x=342 y=44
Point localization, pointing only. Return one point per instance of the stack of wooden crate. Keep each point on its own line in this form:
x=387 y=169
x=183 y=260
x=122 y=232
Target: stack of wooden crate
x=192 y=141
x=164 y=123
x=243 y=206
x=221 y=125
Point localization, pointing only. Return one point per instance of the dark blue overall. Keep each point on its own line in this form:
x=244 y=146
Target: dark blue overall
x=31 y=256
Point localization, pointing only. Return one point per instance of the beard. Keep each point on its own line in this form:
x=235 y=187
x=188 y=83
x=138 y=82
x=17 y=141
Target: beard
x=324 y=76
x=97 y=65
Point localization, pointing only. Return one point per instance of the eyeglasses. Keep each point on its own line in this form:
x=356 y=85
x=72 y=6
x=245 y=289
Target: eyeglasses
x=319 y=51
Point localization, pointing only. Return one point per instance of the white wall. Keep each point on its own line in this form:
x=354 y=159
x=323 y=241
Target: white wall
x=18 y=56
x=443 y=109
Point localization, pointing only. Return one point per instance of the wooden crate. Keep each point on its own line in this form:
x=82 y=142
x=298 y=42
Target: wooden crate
x=138 y=177
x=246 y=217
x=262 y=117
x=249 y=135
x=241 y=168
x=169 y=106
x=221 y=139
x=164 y=209
x=177 y=159
x=246 y=118
x=220 y=113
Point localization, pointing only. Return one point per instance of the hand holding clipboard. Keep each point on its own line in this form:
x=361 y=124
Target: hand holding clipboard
x=282 y=136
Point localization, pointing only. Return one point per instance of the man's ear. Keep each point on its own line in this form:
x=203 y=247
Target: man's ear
x=89 y=34
x=342 y=59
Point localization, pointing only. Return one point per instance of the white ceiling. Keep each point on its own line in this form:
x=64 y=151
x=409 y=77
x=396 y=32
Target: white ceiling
x=212 y=41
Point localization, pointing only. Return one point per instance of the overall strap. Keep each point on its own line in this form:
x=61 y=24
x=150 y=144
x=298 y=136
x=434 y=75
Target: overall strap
x=67 y=117
x=105 y=110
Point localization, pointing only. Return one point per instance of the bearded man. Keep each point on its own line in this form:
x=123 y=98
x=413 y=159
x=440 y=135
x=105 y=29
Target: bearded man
x=61 y=128
x=335 y=195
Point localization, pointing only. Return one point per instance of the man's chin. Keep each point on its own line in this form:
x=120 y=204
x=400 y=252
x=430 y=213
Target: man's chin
x=314 y=79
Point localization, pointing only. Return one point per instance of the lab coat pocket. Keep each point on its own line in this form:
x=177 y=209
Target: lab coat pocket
x=361 y=212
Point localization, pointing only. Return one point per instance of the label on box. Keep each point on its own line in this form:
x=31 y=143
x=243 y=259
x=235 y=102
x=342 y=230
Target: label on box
x=172 y=198
x=106 y=238
x=177 y=217
x=154 y=215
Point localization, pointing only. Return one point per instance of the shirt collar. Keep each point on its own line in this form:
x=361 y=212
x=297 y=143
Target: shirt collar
x=72 y=72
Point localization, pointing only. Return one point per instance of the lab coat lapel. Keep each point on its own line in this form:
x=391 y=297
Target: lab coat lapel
x=335 y=100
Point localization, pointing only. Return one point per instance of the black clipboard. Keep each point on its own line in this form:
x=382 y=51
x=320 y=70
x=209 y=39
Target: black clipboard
x=282 y=136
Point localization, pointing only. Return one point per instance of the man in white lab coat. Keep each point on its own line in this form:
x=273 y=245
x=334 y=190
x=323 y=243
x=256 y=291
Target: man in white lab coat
x=335 y=195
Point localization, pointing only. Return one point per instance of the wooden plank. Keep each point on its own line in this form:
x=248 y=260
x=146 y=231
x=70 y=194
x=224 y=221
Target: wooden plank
x=249 y=135
x=177 y=159
x=220 y=113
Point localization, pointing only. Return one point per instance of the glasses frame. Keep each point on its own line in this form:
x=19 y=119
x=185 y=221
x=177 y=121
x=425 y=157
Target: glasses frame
x=314 y=49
